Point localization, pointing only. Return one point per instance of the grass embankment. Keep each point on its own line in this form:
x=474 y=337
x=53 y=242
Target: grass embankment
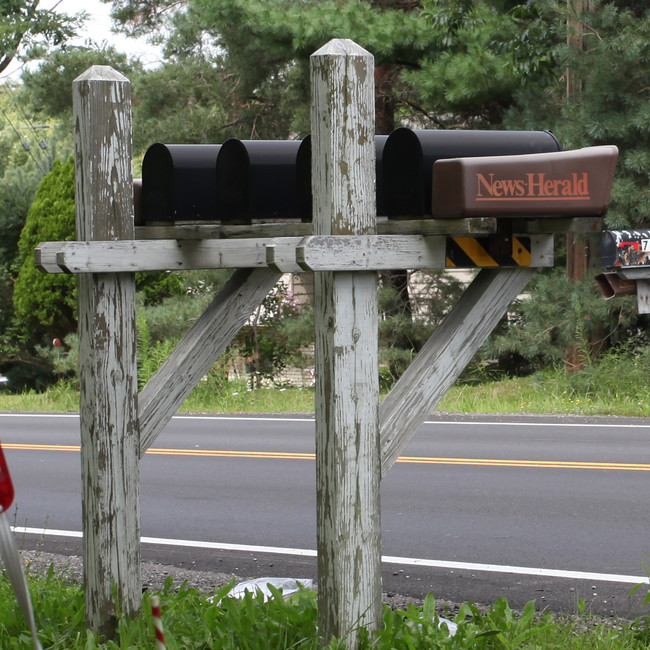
x=622 y=389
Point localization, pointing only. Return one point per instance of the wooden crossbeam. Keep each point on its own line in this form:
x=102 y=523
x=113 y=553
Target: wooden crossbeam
x=286 y=254
x=151 y=255
x=385 y=252
x=473 y=225
x=426 y=227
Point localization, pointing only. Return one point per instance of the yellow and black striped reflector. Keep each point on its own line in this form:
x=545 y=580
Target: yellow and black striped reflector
x=487 y=251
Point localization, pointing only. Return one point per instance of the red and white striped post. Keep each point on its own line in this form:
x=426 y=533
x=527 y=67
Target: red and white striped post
x=157 y=623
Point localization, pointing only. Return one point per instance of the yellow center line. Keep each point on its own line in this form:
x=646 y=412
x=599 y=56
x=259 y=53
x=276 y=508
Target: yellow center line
x=503 y=462
x=232 y=453
x=10 y=445
x=421 y=460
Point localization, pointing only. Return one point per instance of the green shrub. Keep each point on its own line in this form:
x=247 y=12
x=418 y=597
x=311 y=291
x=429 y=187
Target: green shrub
x=46 y=303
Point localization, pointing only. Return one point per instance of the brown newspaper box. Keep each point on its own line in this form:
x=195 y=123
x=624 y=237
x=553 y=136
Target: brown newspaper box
x=555 y=184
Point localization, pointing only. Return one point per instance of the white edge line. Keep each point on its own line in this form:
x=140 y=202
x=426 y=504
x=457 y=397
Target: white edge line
x=388 y=559
x=175 y=417
x=38 y=415
x=311 y=419
x=543 y=424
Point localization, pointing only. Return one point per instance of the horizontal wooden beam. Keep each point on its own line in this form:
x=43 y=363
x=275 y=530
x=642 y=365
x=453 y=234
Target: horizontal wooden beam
x=284 y=254
x=150 y=255
x=385 y=252
x=281 y=255
x=472 y=226
x=551 y=225
x=45 y=256
x=370 y=252
x=426 y=227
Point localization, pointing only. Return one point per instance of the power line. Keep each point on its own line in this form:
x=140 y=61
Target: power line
x=25 y=145
x=41 y=142
x=23 y=142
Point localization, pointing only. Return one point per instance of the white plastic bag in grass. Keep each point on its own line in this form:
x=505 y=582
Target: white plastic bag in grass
x=451 y=626
x=9 y=552
x=287 y=585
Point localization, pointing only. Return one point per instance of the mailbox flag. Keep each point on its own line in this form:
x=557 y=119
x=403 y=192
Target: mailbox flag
x=6 y=487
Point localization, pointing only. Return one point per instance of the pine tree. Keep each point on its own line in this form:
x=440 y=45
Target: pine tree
x=24 y=24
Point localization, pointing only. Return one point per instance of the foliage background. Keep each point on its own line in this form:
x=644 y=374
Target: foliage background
x=239 y=68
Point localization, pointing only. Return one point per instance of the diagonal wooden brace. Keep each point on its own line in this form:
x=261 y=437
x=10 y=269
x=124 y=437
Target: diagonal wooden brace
x=199 y=349
x=444 y=357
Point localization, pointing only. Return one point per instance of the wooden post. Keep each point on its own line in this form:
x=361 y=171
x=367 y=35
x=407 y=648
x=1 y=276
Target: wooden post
x=107 y=352
x=346 y=345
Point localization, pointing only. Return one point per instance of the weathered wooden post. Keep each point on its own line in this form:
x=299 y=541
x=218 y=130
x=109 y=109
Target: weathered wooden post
x=346 y=315
x=107 y=351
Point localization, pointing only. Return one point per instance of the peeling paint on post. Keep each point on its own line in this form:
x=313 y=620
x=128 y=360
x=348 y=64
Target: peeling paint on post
x=107 y=352
x=346 y=315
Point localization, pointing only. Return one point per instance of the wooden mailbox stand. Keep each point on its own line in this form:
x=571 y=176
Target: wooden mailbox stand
x=357 y=439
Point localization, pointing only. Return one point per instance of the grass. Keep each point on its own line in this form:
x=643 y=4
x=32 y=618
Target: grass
x=191 y=621
x=608 y=389
x=550 y=392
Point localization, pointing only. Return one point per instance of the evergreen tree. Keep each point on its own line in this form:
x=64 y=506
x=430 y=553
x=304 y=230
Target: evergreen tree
x=265 y=47
x=610 y=63
x=488 y=52
x=48 y=87
x=612 y=106
x=44 y=305
x=23 y=25
x=185 y=101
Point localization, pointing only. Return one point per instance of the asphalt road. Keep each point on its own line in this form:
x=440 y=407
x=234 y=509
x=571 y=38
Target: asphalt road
x=545 y=508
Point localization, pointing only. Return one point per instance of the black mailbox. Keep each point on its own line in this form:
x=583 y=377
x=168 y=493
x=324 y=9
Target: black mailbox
x=178 y=183
x=409 y=155
x=625 y=248
x=257 y=179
